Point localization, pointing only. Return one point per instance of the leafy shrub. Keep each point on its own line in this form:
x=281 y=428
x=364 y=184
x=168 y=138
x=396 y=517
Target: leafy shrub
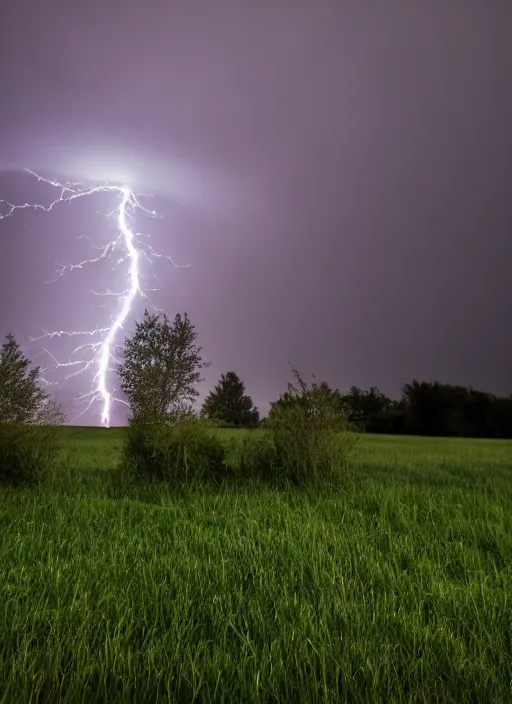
x=253 y=457
x=27 y=452
x=182 y=452
x=29 y=417
x=310 y=433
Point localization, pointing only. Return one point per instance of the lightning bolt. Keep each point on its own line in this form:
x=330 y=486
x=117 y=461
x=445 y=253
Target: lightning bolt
x=100 y=352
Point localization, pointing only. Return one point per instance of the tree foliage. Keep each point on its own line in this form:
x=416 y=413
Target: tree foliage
x=319 y=402
x=431 y=408
x=161 y=367
x=369 y=409
x=29 y=438
x=23 y=399
x=228 y=403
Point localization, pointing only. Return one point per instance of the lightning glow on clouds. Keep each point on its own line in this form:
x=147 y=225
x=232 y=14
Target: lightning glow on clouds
x=97 y=356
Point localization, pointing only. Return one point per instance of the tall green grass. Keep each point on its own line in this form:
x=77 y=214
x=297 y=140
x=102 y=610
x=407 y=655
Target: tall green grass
x=28 y=453
x=396 y=587
x=186 y=452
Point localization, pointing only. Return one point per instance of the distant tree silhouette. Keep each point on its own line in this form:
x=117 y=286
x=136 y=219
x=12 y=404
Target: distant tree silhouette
x=429 y=408
x=432 y=408
x=367 y=409
x=229 y=404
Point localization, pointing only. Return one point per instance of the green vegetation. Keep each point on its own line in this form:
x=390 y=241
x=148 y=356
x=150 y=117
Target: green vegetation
x=29 y=419
x=308 y=433
x=160 y=368
x=185 y=452
x=176 y=561
x=228 y=404
x=394 y=587
x=431 y=409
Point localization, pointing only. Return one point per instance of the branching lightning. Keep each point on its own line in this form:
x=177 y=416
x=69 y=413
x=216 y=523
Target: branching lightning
x=96 y=356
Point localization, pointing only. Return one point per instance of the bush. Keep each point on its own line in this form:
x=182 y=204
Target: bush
x=180 y=453
x=311 y=435
x=253 y=457
x=27 y=452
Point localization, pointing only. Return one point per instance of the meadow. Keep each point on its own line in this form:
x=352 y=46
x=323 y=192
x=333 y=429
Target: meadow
x=396 y=587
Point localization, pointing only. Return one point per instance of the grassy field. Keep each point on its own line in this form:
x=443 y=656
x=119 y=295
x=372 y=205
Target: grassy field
x=395 y=588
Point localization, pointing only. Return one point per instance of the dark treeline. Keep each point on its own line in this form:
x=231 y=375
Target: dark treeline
x=430 y=408
x=424 y=408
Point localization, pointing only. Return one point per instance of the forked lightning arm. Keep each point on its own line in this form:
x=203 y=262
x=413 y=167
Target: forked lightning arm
x=101 y=351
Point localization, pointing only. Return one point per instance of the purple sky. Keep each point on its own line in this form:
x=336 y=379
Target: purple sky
x=338 y=173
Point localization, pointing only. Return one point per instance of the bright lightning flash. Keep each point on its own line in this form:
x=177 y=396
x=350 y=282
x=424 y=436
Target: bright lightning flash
x=100 y=353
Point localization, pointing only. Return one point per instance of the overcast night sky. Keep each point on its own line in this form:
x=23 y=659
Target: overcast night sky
x=338 y=174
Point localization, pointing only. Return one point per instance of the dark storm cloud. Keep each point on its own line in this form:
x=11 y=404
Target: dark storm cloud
x=339 y=174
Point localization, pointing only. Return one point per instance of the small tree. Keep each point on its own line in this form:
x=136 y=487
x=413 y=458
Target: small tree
x=22 y=396
x=229 y=404
x=161 y=366
x=28 y=419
